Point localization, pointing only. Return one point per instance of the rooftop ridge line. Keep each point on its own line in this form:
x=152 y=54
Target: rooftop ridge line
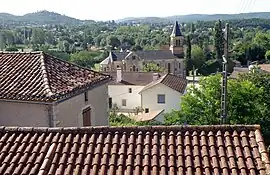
x=45 y=76
x=130 y=128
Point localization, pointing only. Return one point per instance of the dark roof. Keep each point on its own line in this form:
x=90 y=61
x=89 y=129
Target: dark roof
x=239 y=70
x=176 y=30
x=155 y=54
x=174 y=82
x=133 y=150
x=118 y=56
x=37 y=76
x=132 y=78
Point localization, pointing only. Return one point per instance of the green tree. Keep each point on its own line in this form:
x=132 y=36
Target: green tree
x=152 y=67
x=246 y=103
x=267 y=55
x=206 y=52
x=263 y=40
x=219 y=40
x=188 y=56
x=85 y=58
x=113 y=41
x=197 y=56
x=9 y=35
x=38 y=37
x=2 y=41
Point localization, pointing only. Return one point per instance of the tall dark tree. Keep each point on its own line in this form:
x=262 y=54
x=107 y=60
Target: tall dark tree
x=188 y=55
x=206 y=51
x=219 y=40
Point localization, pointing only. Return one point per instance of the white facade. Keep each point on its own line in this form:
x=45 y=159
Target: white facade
x=65 y=113
x=150 y=98
x=146 y=99
x=128 y=93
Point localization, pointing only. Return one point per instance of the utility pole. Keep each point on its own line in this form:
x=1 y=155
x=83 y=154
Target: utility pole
x=193 y=75
x=224 y=76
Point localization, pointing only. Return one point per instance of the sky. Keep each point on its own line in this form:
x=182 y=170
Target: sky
x=118 y=9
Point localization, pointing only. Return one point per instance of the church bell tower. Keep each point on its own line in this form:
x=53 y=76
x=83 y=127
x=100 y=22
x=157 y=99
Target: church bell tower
x=177 y=41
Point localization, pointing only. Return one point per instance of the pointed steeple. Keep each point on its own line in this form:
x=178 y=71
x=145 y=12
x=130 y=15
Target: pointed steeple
x=177 y=40
x=176 y=30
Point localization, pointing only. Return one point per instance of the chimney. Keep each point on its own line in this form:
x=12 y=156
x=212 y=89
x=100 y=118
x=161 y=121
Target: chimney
x=155 y=76
x=119 y=74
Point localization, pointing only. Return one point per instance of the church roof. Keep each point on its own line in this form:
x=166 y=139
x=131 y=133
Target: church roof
x=176 y=30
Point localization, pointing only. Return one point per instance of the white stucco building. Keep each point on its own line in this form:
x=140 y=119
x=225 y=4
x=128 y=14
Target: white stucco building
x=153 y=93
x=37 y=89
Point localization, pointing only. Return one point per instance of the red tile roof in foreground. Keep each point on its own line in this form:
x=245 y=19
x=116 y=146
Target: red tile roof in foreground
x=36 y=76
x=133 y=150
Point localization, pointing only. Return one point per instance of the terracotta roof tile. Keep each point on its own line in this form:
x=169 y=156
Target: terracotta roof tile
x=36 y=76
x=134 y=150
x=132 y=78
x=174 y=82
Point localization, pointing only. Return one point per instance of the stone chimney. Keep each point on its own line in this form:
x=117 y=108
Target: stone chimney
x=119 y=74
x=156 y=76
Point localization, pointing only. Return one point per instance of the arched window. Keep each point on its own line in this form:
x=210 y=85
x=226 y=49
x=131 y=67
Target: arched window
x=134 y=68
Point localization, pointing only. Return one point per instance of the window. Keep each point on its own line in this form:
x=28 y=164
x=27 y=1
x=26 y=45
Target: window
x=137 y=69
x=133 y=57
x=86 y=96
x=178 y=43
x=124 y=102
x=110 y=103
x=129 y=90
x=146 y=110
x=157 y=65
x=133 y=68
x=87 y=117
x=169 y=67
x=161 y=99
x=117 y=66
x=179 y=65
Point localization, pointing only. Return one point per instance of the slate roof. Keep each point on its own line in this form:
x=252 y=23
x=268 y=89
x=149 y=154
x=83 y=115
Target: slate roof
x=176 y=30
x=132 y=78
x=238 y=70
x=155 y=54
x=174 y=82
x=36 y=76
x=118 y=56
x=133 y=150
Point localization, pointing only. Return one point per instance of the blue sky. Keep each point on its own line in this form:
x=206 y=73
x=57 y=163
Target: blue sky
x=116 y=9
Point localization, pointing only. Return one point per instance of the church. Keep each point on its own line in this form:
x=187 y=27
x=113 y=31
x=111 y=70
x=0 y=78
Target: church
x=171 y=60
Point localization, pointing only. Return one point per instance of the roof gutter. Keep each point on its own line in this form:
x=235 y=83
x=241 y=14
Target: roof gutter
x=28 y=102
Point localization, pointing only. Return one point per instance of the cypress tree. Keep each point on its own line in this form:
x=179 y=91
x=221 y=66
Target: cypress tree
x=188 y=56
x=219 y=40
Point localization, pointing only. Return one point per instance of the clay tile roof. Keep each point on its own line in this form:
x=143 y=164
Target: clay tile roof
x=36 y=76
x=132 y=78
x=174 y=82
x=134 y=150
x=265 y=67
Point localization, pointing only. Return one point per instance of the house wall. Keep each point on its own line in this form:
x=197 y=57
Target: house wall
x=24 y=114
x=119 y=92
x=172 y=98
x=133 y=60
x=69 y=112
